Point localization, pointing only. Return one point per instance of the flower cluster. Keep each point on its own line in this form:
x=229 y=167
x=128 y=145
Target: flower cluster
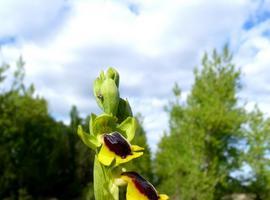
x=111 y=134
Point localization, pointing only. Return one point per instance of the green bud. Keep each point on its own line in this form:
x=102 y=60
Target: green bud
x=106 y=92
x=97 y=89
x=113 y=74
x=110 y=95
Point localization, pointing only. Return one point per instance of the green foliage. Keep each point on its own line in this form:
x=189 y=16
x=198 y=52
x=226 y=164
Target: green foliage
x=199 y=152
x=30 y=139
x=257 y=155
x=39 y=156
x=3 y=69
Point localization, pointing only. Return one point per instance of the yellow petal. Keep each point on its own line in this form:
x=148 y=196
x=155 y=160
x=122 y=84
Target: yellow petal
x=136 y=148
x=105 y=156
x=133 y=193
x=120 y=160
x=163 y=197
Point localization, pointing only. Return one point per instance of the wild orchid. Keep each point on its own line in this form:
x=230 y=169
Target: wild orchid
x=110 y=136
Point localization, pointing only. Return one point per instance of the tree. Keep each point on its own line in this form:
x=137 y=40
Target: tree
x=31 y=144
x=257 y=154
x=34 y=148
x=199 y=151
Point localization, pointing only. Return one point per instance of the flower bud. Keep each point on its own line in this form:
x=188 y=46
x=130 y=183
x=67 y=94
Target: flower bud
x=113 y=74
x=106 y=93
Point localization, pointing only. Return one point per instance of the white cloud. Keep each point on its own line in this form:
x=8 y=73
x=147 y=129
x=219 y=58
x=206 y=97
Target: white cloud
x=31 y=19
x=67 y=43
x=253 y=57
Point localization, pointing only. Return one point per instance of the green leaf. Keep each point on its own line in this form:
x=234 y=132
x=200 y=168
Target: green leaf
x=124 y=110
x=104 y=124
x=103 y=183
x=100 y=181
x=128 y=128
x=114 y=190
x=88 y=139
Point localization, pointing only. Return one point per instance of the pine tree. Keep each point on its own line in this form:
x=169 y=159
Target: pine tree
x=198 y=153
x=257 y=155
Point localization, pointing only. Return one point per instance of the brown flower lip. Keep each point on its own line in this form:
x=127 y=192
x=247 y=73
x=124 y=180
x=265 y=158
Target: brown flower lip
x=117 y=144
x=142 y=185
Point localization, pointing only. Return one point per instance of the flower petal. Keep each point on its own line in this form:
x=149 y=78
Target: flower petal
x=139 y=188
x=141 y=185
x=136 y=148
x=120 y=160
x=133 y=193
x=117 y=144
x=163 y=197
x=105 y=156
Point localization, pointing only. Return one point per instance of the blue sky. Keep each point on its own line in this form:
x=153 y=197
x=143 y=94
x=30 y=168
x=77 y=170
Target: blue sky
x=153 y=44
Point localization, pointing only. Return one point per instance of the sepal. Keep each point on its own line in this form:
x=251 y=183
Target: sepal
x=104 y=123
x=91 y=123
x=124 y=110
x=88 y=139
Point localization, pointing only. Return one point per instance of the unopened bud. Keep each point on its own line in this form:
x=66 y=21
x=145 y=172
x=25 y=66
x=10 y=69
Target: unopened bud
x=113 y=74
x=106 y=92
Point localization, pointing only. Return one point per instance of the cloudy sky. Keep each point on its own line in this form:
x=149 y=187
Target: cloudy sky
x=152 y=43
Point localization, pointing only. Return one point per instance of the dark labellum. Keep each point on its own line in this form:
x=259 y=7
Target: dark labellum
x=142 y=185
x=117 y=144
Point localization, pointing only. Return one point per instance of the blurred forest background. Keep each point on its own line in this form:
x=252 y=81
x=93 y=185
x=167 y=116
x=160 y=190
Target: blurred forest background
x=212 y=139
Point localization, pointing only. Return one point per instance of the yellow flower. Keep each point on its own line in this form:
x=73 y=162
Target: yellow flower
x=116 y=147
x=140 y=189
